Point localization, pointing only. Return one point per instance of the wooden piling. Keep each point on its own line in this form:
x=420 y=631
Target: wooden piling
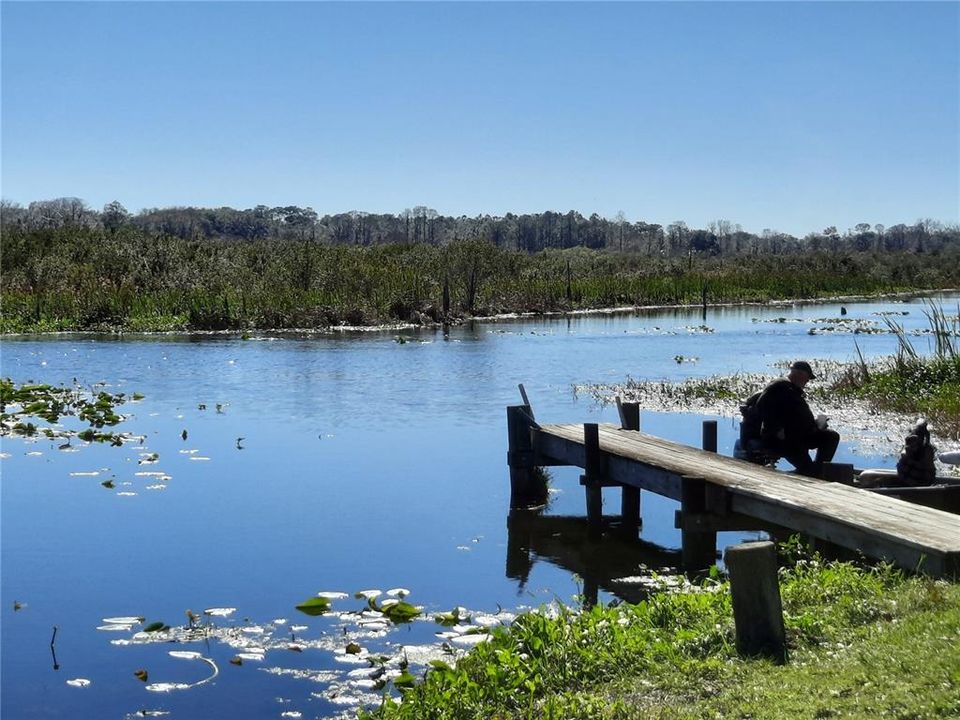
x=630 y=495
x=698 y=547
x=837 y=472
x=592 y=479
x=528 y=488
x=698 y=544
x=710 y=435
x=755 y=591
x=629 y=415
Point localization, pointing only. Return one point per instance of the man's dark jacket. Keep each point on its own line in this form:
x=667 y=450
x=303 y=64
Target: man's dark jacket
x=784 y=412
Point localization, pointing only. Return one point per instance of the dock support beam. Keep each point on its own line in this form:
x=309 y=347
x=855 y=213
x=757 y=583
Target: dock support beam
x=630 y=495
x=528 y=487
x=593 y=480
x=755 y=591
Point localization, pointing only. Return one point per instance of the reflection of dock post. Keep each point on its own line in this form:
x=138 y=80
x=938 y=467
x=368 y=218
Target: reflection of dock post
x=591 y=591
x=630 y=495
x=519 y=562
x=592 y=479
x=527 y=487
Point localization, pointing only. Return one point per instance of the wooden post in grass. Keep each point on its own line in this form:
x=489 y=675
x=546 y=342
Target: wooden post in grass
x=527 y=487
x=755 y=591
x=592 y=479
x=630 y=495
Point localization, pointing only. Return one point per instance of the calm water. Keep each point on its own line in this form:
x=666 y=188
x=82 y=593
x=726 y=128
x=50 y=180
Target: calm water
x=365 y=463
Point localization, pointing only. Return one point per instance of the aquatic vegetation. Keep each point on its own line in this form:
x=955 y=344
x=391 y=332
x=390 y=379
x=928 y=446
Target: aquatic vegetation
x=912 y=383
x=96 y=408
x=360 y=658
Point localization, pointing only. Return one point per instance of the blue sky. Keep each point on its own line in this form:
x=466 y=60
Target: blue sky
x=782 y=115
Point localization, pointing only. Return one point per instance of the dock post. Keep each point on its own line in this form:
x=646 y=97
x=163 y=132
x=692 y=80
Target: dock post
x=755 y=591
x=630 y=495
x=710 y=435
x=592 y=480
x=837 y=472
x=527 y=487
x=629 y=415
x=698 y=547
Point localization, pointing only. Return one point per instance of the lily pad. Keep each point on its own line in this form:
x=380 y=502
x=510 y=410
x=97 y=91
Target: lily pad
x=314 y=606
x=401 y=611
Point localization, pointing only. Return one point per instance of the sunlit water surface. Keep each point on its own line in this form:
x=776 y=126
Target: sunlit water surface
x=364 y=463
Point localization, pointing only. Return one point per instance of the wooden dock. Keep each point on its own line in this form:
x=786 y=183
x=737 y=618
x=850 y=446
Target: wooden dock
x=722 y=493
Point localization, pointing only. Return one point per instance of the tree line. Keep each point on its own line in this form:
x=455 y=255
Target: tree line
x=526 y=232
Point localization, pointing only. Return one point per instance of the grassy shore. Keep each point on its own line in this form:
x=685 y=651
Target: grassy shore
x=864 y=643
x=67 y=281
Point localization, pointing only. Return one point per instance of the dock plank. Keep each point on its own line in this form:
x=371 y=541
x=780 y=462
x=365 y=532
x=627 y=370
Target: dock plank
x=878 y=525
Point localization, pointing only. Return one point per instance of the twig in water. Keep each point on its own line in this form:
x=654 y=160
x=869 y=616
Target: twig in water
x=53 y=650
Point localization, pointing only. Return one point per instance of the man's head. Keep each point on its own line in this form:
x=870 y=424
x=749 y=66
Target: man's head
x=800 y=373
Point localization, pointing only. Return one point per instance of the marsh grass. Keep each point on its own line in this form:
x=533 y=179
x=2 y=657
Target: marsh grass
x=912 y=382
x=863 y=642
x=72 y=280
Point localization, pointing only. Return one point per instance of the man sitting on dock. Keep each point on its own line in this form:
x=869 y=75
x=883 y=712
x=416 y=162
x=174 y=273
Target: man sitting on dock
x=788 y=427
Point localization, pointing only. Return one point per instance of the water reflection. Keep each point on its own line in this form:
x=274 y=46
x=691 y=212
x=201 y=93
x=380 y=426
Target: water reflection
x=607 y=564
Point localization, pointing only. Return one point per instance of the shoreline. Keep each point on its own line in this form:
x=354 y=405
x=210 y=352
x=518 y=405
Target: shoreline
x=484 y=319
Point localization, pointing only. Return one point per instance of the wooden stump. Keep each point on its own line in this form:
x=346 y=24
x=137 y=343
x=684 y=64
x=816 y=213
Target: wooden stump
x=755 y=590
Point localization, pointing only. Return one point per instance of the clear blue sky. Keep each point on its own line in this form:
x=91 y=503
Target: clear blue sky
x=792 y=116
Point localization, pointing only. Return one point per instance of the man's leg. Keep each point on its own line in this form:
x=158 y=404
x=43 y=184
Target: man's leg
x=825 y=442
x=800 y=459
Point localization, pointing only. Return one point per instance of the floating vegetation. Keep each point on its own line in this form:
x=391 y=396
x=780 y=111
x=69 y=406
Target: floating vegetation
x=854 y=326
x=777 y=320
x=358 y=658
x=22 y=406
x=315 y=606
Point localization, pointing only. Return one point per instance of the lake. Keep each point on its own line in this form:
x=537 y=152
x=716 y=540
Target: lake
x=336 y=463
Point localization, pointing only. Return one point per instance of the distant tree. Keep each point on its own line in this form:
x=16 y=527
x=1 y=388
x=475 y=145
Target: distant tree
x=621 y=221
x=114 y=216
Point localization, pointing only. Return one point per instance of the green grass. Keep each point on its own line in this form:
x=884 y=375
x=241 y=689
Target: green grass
x=864 y=643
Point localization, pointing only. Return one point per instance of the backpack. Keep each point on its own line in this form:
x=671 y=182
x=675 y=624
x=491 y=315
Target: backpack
x=752 y=423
